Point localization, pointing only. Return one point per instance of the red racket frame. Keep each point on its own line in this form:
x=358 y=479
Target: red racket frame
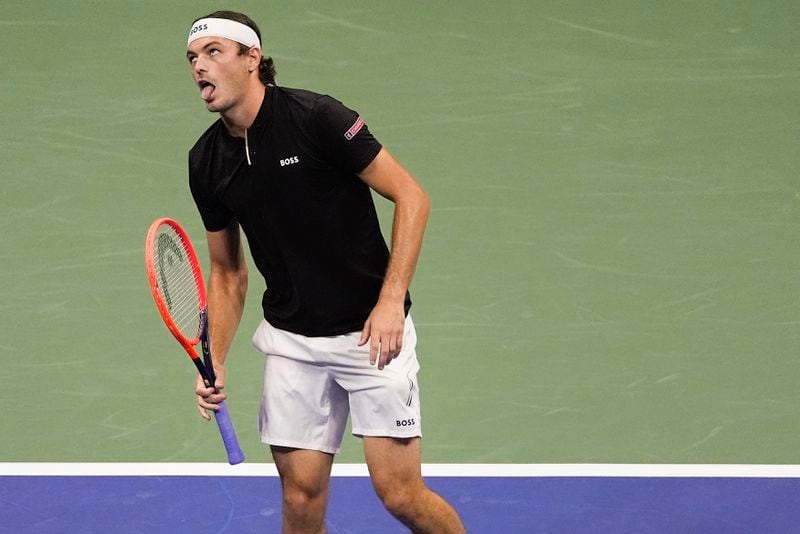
x=188 y=344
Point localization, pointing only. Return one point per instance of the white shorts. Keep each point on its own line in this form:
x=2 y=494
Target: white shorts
x=312 y=383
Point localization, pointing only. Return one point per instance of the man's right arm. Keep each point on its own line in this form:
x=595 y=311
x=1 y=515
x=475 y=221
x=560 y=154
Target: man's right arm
x=227 y=288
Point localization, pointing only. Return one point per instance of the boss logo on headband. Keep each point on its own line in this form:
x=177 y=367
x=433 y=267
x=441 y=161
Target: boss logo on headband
x=198 y=28
x=229 y=29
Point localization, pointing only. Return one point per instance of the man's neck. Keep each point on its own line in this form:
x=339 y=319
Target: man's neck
x=239 y=118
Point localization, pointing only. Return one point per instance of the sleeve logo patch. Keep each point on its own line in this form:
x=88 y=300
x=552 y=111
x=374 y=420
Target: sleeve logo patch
x=354 y=129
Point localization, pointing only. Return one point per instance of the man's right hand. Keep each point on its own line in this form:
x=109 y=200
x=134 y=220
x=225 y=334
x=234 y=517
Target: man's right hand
x=209 y=398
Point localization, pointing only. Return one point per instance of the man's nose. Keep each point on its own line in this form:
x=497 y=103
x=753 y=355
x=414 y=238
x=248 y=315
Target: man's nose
x=199 y=66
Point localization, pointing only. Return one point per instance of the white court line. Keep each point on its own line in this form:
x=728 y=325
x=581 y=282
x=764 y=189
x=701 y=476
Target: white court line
x=430 y=470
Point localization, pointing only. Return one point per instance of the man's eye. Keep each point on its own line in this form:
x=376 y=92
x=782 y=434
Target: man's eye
x=192 y=60
x=214 y=51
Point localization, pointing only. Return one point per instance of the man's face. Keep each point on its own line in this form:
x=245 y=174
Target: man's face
x=219 y=71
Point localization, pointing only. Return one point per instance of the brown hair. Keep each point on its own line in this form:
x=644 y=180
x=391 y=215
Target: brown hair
x=266 y=69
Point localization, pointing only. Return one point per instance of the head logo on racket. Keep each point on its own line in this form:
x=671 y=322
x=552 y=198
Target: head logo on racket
x=168 y=250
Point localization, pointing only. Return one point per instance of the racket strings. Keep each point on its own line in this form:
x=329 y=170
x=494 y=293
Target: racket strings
x=177 y=281
x=185 y=311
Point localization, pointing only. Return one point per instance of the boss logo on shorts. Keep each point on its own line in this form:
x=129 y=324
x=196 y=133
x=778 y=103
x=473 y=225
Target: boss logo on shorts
x=290 y=161
x=406 y=422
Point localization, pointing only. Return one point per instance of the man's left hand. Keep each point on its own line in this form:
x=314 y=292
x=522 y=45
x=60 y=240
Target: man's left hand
x=384 y=330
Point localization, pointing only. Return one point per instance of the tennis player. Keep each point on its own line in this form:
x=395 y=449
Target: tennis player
x=293 y=169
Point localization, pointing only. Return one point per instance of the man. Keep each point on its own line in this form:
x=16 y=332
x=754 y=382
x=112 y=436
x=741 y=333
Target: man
x=294 y=170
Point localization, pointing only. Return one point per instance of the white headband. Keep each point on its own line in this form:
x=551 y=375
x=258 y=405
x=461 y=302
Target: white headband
x=230 y=29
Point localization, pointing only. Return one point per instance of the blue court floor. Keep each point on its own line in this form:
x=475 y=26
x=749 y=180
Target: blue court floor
x=487 y=504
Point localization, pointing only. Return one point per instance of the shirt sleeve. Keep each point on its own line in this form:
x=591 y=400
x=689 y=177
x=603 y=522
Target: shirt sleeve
x=215 y=215
x=343 y=135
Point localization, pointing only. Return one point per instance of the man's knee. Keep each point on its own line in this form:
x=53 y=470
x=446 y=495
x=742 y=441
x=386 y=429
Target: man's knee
x=304 y=491
x=303 y=497
x=401 y=500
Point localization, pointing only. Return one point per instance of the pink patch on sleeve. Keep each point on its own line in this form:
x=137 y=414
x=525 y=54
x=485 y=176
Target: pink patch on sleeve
x=354 y=129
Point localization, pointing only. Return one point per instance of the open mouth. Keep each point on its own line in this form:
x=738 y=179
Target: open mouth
x=206 y=89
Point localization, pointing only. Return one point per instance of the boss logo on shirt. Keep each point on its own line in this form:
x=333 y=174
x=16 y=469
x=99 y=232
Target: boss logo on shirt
x=406 y=422
x=290 y=161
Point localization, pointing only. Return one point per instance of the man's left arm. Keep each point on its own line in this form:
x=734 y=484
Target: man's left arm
x=385 y=326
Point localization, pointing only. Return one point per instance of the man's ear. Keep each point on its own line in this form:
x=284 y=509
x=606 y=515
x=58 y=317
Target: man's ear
x=253 y=59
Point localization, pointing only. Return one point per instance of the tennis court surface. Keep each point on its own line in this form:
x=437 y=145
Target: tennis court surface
x=610 y=276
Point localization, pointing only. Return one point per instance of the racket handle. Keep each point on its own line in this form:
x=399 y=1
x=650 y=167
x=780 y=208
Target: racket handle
x=235 y=454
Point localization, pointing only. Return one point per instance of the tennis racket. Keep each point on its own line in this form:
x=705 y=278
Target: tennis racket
x=177 y=286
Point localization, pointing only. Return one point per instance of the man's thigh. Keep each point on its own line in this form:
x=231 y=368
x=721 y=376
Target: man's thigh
x=393 y=462
x=306 y=470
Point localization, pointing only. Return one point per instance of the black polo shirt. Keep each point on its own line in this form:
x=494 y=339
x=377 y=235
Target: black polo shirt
x=309 y=219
